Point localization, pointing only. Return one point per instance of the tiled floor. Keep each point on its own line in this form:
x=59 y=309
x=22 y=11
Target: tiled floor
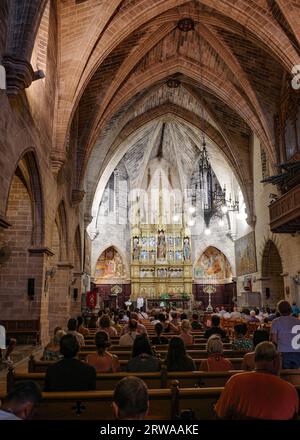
x=20 y=358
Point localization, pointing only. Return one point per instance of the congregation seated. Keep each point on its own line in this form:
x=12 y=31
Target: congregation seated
x=215 y=360
x=252 y=317
x=21 y=402
x=105 y=325
x=52 y=350
x=72 y=330
x=70 y=374
x=215 y=328
x=129 y=337
x=103 y=361
x=81 y=328
x=166 y=325
x=141 y=329
x=241 y=343
x=131 y=399
x=196 y=325
x=235 y=314
x=260 y=335
x=185 y=334
x=177 y=359
x=158 y=339
x=142 y=314
x=260 y=394
x=143 y=359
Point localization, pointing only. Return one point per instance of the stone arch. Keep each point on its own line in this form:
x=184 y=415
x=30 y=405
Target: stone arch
x=271 y=271
x=77 y=251
x=218 y=268
x=39 y=53
x=24 y=213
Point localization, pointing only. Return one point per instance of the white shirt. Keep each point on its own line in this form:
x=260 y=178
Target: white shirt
x=2 y=338
x=5 y=415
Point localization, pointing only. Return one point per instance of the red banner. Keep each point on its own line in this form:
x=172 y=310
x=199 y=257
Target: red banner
x=91 y=299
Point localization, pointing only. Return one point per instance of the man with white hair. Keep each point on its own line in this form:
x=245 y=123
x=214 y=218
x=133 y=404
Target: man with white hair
x=277 y=399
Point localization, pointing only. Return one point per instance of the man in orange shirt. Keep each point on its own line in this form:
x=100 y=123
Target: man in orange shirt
x=260 y=394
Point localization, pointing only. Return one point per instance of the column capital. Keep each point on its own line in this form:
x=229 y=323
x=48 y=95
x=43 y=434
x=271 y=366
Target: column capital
x=58 y=159
x=41 y=250
x=19 y=75
x=77 y=196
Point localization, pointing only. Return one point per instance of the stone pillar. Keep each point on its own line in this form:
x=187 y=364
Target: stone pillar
x=24 y=21
x=40 y=303
x=60 y=296
x=75 y=308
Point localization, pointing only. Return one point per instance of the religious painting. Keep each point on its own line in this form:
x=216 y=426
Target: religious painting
x=109 y=266
x=245 y=255
x=213 y=265
x=135 y=248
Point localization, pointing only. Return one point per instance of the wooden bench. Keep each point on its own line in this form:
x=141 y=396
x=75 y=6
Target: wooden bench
x=164 y=404
x=24 y=331
x=38 y=366
x=162 y=379
x=163 y=347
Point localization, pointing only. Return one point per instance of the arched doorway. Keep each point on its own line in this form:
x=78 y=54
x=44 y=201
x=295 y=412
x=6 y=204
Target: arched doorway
x=22 y=252
x=110 y=272
x=213 y=267
x=271 y=270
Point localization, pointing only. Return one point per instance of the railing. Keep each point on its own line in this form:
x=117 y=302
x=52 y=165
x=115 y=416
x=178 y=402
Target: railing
x=285 y=212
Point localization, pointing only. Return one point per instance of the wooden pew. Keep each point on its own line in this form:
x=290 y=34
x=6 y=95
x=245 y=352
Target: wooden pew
x=164 y=347
x=38 y=366
x=165 y=404
x=24 y=331
x=162 y=379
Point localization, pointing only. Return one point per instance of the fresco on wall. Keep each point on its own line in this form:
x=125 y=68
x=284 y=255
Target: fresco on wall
x=213 y=265
x=245 y=255
x=109 y=266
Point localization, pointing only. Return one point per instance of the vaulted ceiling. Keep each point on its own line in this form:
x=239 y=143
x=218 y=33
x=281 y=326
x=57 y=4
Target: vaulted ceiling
x=228 y=63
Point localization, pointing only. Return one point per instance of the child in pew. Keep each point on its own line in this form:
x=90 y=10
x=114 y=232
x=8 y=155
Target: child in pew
x=215 y=360
x=177 y=359
x=103 y=361
x=241 y=343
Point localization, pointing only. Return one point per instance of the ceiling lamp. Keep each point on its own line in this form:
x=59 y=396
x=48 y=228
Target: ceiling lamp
x=192 y=209
x=207 y=231
x=175 y=218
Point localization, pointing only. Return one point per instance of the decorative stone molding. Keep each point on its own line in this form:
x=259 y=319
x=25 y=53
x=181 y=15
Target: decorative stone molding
x=41 y=250
x=19 y=75
x=77 y=196
x=88 y=218
x=65 y=265
x=57 y=162
x=251 y=220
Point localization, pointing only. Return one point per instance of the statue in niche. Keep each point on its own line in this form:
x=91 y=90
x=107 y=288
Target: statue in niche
x=186 y=249
x=161 y=245
x=136 y=248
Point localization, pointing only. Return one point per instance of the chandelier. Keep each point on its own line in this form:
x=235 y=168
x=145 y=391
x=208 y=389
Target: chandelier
x=215 y=202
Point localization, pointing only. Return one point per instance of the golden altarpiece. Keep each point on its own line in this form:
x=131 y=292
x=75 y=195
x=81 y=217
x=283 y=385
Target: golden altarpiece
x=161 y=266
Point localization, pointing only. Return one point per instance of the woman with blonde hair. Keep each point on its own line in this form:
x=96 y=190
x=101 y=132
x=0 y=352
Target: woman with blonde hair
x=52 y=350
x=215 y=360
x=185 y=334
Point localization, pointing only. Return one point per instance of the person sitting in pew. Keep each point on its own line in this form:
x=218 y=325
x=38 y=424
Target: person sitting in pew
x=185 y=334
x=215 y=360
x=103 y=361
x=21 y=402
x=116 y=323
x=131 y=399
x=105 y=325
x=81 y=328
x=177 y=359
x=70 y=374
x=241 y=343
x=72 y=326
x=158 y=339
x=174 y=322
x=196 y=325
x=259 y=394
x=215 y=328
x=143 y=359
x=141 y=329
x=129 y=337
x=52 y=350
x=260 y=335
